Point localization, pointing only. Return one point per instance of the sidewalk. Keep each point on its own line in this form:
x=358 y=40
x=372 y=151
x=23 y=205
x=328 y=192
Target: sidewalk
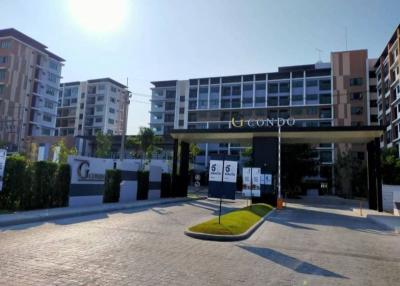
x=58 y=213
x=384 y=219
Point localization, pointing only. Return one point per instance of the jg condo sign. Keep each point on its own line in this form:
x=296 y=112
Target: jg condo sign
x=254 y=123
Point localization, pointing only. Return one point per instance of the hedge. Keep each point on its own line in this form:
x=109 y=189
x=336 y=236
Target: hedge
x=44 y=184
x=112 y=183
x=14 y=184
x=166 y=185
x=34 y=186
x=62 y=186
x=142 y=185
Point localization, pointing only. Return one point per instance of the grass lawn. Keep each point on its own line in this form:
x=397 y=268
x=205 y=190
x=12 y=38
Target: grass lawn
x=235 y=222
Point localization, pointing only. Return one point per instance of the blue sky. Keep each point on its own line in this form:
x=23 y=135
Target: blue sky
x=181 y=39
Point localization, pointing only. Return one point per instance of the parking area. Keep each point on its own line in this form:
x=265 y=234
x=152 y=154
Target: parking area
x=304 y=244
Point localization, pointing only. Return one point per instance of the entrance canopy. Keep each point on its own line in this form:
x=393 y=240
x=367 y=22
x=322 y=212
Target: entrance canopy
x=289 y=134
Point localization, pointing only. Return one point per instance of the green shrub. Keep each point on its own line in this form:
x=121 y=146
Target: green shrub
x=62 y=186
x=112 y=183
x=166 y=185
x=14 y=183
x=142 y=185
x=44 y=184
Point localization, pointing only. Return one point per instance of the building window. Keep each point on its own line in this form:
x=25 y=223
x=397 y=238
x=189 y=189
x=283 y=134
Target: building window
x=2 y=88
x=324 y=99
x=99 y=108
x=46 y=131
x=53 y=65
x=170 y=94
x=284 y=87
x=99 y=119
x=272 y=88
x=311 y=83
x=113 y=89
x=193 y=93
x=91 y=89
x=356 y=96
x=5 y=44
x=272 y=101
x=325 y=84
x=357 y=81
x=311 y=110
x=297 y=84
x=48 y=104
x=2 y=75
x=110 y=121
x=100 y=98
x=4 y=59
x=312 y=99
x=181 y=110
x=47 y=118
x=356 y=110
x=112 y=99
x=373 y=103
x=111 y=110
x=182 y=98
x=181 y=122
x=52 y=77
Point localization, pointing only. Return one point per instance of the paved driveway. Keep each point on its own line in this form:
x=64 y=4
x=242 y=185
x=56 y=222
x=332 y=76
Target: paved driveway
x=302 y=245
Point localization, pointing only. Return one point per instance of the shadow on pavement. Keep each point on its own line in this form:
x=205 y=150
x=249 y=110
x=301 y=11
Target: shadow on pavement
x=291 y=262
x=294 y=217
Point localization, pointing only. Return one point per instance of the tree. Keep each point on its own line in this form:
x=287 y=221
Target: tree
x=194 y=151
x=390 y=167
x=350 y=175
x=103 y=145
x=63 y=151
x=248 y=152
x=297 y=162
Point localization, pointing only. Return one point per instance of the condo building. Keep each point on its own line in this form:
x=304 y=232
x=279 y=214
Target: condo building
x=321 y=94
x=388 y=91
x=29 y=87
x=88 y=107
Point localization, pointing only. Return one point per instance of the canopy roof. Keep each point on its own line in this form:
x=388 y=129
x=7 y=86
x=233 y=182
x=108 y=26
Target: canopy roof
x=290 y=134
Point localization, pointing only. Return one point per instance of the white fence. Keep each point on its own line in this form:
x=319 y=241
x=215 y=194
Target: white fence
x=88 y=173
x=390 y=195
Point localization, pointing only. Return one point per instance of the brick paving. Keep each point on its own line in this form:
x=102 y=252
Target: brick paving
x=298 y=246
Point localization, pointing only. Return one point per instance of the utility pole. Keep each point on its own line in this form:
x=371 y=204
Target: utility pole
x=126 y=105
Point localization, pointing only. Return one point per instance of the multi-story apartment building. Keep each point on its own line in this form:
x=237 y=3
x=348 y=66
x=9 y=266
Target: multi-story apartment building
x=388 y=91
x=97 y=105
x=29 y=86
x=321 y=94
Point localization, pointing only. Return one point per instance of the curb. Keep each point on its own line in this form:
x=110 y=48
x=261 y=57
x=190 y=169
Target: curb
x=43 y=217
x=236 y=237
x=388 y=226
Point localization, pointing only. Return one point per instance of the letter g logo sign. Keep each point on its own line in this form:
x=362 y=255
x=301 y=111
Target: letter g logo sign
x=237 y=124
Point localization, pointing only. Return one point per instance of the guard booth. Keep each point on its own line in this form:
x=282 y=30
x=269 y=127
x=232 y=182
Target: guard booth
x=265 y=149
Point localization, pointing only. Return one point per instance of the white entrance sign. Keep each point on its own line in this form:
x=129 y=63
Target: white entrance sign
x=255 y=186
x=268 y=179
x=230 y=171
x=215 y=173
x=246 y=190
x=3 y=156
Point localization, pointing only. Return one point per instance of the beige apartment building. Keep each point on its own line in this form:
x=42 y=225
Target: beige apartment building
x=29 y=87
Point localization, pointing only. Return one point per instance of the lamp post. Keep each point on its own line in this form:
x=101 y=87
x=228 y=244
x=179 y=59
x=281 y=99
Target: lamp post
x=279 y=203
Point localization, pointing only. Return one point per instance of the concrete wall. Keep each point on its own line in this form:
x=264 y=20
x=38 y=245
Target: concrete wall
x=390 y=195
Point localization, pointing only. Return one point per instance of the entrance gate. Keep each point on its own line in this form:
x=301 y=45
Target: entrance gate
x=266 y=138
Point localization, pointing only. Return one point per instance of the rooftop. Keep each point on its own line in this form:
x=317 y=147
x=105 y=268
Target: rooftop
x=11 y=32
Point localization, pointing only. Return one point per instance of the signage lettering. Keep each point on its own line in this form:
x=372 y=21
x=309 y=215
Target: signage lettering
x=268 y=122
x=84 y=174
